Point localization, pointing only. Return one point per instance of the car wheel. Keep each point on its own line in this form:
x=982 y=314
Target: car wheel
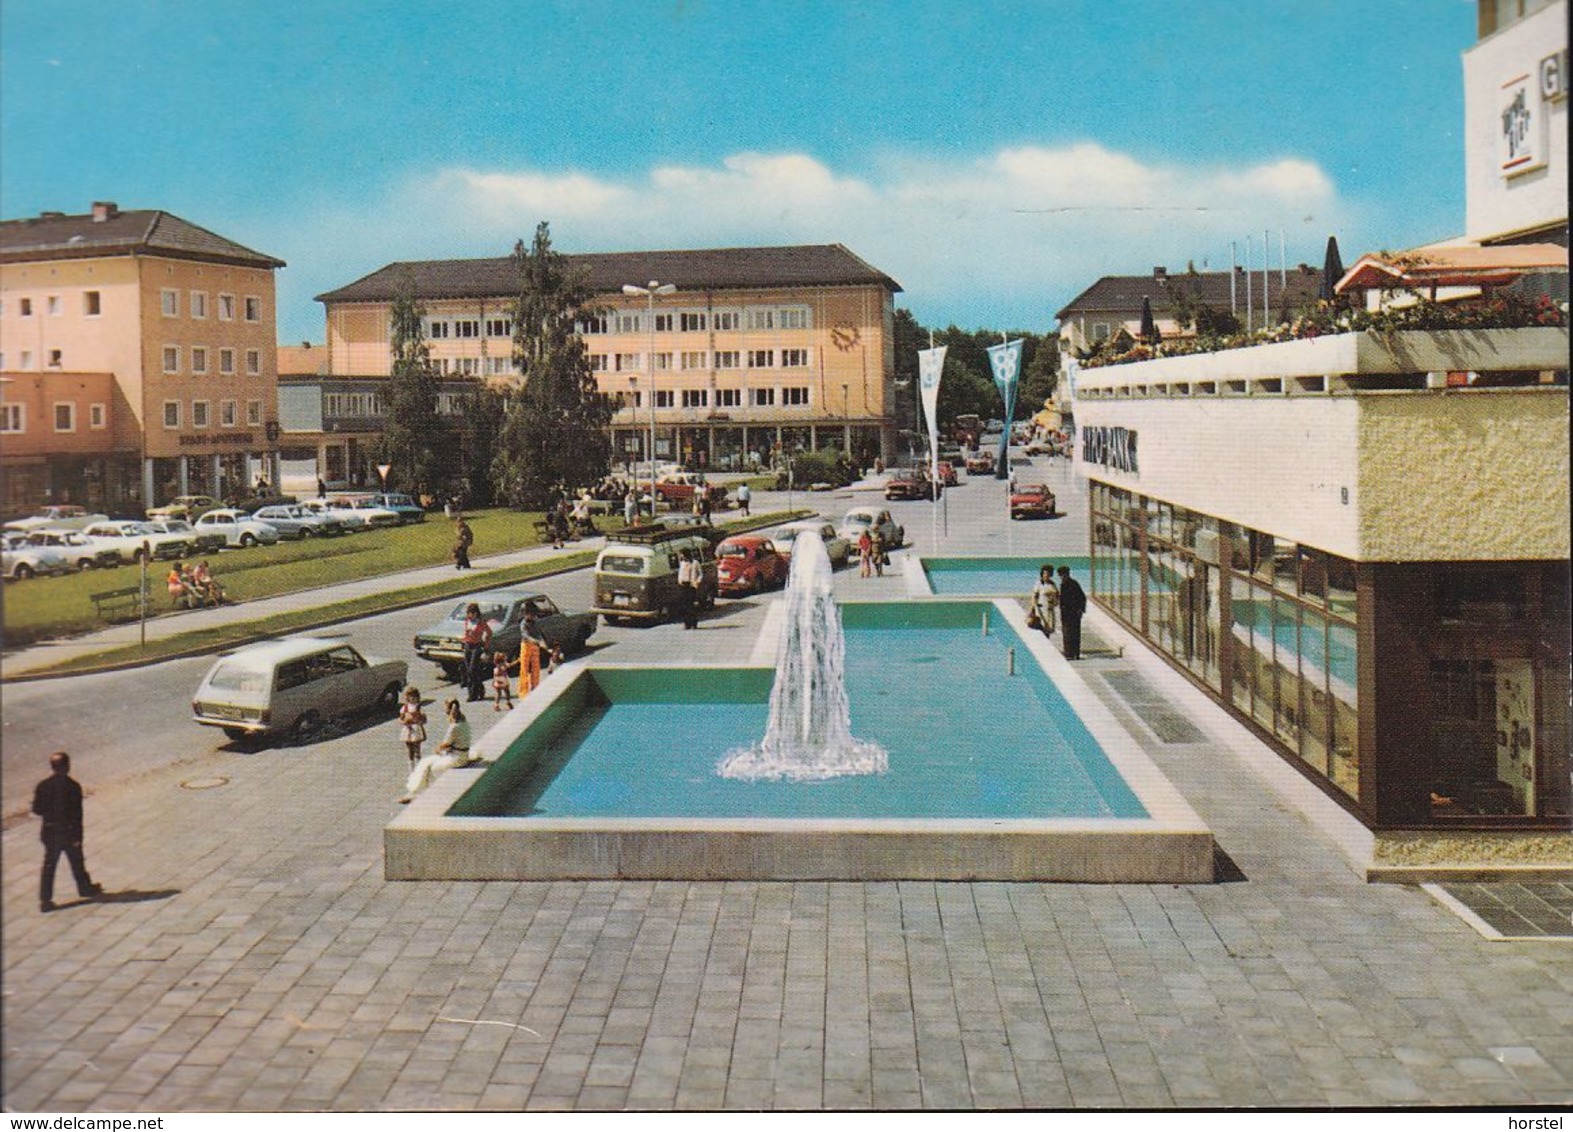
x=85 y=564
x=450 y=672
x=23 y=570
x=306 y=532
x=388 y=701
x=307 y=725
x=248 y=539
x=584 y=642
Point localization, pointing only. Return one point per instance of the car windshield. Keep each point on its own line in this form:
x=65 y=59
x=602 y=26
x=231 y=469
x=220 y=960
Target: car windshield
x=622 y=564
x=859 y=520
x=733 y=552
x=492 y=612
x=236 y=677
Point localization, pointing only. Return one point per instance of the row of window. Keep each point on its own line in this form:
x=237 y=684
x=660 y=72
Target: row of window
x=788 y=395
x=702 y=360
x=201 y=357
x=371 y=404
x=197 y=305
x=13 y=417
x=637 y=322
x=202 y=417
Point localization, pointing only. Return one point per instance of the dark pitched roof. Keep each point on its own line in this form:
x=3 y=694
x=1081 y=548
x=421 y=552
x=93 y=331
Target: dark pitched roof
x=1123 y=294
x=140 y=231
x=714 y=269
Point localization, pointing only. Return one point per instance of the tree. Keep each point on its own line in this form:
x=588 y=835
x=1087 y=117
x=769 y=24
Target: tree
x=1039 y=377
x=416 y=442
x=554 y=426
x=478 y=427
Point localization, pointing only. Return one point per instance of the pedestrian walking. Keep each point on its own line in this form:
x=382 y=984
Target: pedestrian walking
x=745 y=496
x=412 y=723
x=476 y=636
x=452 y=751
x=865 y=554
x=58 y=801
x=1073 y=603
x=463 y=539
x=1045 y=602
x=877 y=554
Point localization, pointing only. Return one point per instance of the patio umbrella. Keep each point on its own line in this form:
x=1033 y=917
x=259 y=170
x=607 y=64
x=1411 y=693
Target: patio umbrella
x=1332 y=270
x=1149 y=330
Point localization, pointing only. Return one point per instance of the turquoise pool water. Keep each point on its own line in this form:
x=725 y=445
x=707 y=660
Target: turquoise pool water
x=997 y=577
x=965 y=739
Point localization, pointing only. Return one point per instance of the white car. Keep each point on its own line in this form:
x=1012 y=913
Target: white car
x=371 y=513
x=79 y=551
x=352 y=518
x=61 y=516
x=126 y=537
x=873 y=520
x=21 y=560
x=295 y=521
x=210 y=543
x=238 y=528
x=839 y=549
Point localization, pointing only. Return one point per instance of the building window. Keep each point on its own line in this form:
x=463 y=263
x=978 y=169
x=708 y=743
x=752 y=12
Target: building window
x=56 y=359
x=199 y=304
x=663 y=361
x=469 y=367
x=226 y=360
x=12 y=418
x=253 y=362
x=590 y=324
x=793 y=318
x=24 y=307
x=226 y=414
x=761 y=359
x=92 y=304
x=253 y=413
x=466 y=328
x=627 y=362
x=97 y=415
x=171 y=359
x=794 y=359
x=199 y=359
x=253 y=309
x=27 y=359
x=695 y=398
x=1100 y=331
x=794 y=395
x=65 y=416
x=499 y=366
x=664 y=399
x=199 y=414
x=499 y=328
x=728 y=359
x=597 y=363
x=761 y=318
x=171 y=414
x=170 y=303
x=727 y=320
x=226 y=308
x=729 y=398
x=627 y=323
x=692 y=320
x=763 y=398
x=437 y=328
x=53 y=304
x=694 y=359
x=663 y=323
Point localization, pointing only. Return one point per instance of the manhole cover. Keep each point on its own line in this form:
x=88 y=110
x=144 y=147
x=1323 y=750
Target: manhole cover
x=204 y=783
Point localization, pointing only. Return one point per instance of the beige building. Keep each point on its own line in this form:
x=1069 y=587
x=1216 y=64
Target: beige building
x=756 y=350
x=161 y=332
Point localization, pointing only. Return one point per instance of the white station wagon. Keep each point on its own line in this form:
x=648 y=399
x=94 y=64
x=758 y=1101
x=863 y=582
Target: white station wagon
x=292 y=686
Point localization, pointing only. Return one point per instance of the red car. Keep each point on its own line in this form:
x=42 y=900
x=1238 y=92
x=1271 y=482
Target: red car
x=947 y=474
x=747 y=564
x=911 y=485
x=1032 y=501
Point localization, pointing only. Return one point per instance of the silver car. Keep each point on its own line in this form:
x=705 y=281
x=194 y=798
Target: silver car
x=295 y=521
x=292 y=686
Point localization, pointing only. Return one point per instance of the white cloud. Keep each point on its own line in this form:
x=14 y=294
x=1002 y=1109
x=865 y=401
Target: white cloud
x=1003 y=238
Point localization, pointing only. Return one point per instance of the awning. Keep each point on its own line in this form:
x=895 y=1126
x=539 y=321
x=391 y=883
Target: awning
x=1463 y=266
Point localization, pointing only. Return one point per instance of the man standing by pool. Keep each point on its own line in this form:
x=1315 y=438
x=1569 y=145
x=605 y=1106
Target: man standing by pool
x=1073 y=603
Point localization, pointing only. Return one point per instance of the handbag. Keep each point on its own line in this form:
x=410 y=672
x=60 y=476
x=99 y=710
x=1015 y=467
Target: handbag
x=1033 y=620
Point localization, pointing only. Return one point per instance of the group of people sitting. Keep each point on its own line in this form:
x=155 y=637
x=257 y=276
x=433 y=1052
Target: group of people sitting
x=194 y=587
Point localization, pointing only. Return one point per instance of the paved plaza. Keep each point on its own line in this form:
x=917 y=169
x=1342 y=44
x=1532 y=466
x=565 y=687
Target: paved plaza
x=250 y=955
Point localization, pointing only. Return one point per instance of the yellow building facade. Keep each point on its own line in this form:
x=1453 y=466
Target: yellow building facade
x=182 y=321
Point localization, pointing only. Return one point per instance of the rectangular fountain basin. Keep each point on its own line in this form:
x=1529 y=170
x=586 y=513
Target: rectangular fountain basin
x=992 y=575
x=610 y=772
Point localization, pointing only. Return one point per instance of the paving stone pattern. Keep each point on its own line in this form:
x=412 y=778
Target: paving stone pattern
x=1528 y=911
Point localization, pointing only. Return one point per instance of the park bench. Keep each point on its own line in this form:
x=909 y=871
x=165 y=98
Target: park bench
x=111 y=602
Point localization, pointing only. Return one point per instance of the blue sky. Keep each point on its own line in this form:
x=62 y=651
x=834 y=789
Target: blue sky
x=993 y=157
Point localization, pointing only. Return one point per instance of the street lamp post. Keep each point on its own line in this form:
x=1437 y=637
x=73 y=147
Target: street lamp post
x=650 y=291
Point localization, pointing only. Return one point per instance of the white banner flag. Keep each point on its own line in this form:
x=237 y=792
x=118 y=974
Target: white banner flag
x=931 y=365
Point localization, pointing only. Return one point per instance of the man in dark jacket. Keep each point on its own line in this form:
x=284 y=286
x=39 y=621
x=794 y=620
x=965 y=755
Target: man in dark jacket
x=1073 y=603
x=58 y=800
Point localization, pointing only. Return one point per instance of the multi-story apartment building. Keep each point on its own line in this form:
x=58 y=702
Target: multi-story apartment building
x=754 y=351
x=1359 y=543
x=137 y=352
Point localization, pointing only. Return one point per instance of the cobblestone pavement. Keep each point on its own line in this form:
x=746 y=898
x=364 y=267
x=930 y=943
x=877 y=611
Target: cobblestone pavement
x=250 y=956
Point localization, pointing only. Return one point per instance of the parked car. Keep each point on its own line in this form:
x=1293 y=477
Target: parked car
x=187 y=507
x=293 y=686
x=349 y=518
x=401 y=505
x=838 y=548
x=911 y=485
x=238 y=528
x=636 y=572
x=1031 y=501
x=369 y=512
x=80 y=552
x=508 y=612
x=21 y=559
x=981 y=464
x=61 y=516
x=679 y=488
x=747 y=564
x=874 y=520
x=210 y=542
x=294 y=521
x=947 y=474
x=127 y=537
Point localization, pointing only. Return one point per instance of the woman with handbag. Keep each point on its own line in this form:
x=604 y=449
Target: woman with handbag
x=1045 y=601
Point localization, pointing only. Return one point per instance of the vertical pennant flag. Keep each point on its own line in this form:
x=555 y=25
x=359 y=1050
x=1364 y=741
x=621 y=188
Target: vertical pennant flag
x=931 y=365
x=1005 y=360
